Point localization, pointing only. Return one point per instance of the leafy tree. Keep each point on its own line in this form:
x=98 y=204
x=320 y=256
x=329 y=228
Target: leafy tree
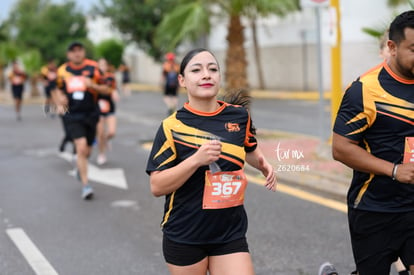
x=42 y=31
x=32 y=62
x=379 y=30
x=137 y=20
x=189 y=19
x=47 y=27
x=8 y=53
x=112 y=50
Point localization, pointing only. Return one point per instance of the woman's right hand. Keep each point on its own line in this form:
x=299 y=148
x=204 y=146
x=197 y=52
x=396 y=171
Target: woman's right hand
x=208 y=153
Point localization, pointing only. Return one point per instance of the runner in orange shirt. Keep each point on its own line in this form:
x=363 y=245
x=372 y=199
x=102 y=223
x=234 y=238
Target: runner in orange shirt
x=76 y=98
x=17 y=78
x=170 y=71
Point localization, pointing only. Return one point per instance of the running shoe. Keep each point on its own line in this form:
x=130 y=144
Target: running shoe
x=87 y=192
x=327 y=269
x=77 y=174
x=101 y=159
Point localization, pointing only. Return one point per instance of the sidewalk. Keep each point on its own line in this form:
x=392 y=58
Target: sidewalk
x=301 y=161
x=305 y=162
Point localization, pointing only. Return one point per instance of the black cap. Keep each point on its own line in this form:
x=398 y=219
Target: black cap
x=74 y=44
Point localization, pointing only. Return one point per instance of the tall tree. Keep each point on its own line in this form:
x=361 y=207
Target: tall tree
x=112 y=50
x=8 y=53
x=178 y=27
x=379 y=30
x=32 y=62
x=137 y=20
x=47 y=27
x=42 y=30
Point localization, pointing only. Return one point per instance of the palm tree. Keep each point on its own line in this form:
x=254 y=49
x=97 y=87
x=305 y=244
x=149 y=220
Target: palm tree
x=379 y=30
x=395 y=3
x=191 y=19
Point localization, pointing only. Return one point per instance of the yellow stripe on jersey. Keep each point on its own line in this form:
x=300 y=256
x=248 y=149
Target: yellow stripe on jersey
x=366 y=183
x=170 y=207
x=168 y=144
x=193 y=137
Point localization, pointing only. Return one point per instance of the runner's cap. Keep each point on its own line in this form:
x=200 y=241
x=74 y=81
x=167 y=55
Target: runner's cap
x=75 y=44
x=170 y=56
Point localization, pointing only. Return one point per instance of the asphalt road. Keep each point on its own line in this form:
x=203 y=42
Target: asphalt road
x=118 y=232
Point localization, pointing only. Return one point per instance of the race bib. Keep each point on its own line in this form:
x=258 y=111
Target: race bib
x=104 y=105
x=75 y=84
x=78 y=95
x=224 y=189
x=409 y=150
x=51 y=75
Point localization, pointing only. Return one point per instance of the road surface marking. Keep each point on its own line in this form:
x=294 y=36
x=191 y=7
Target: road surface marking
x=333 y=204
x=30 y=252
x=114 y=177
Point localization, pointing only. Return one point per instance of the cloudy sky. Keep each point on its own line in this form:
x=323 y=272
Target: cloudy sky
x=7 y=5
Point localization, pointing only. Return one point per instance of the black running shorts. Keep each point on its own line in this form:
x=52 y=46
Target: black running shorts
x=187 y=254
x=378 y=239
x=82 y=128
x=171 y=91
x=17 y=91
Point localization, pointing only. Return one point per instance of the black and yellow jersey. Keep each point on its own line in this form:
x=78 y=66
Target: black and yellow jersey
x=377 y=110
x=70 y=79
x=17 y=77
x=49 y=74
x=179 y=136
x=108 y=79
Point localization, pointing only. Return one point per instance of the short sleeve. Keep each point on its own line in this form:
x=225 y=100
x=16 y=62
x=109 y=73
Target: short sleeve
x=250 y=142
x=60 y=79
x=355 y=115
x=163 y=153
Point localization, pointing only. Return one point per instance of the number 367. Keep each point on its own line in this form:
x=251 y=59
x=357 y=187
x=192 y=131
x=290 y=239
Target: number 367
x=227 y=188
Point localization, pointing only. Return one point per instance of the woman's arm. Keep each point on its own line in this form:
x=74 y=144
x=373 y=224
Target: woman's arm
x=258 y=161
x=169 y=180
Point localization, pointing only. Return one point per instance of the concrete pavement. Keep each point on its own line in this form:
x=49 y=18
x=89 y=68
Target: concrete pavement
x=300 y=160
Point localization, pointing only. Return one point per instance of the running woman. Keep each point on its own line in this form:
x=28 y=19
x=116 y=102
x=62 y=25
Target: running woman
x=17 y=78
x=107 y=122
x=197 y=163
x=76 y=98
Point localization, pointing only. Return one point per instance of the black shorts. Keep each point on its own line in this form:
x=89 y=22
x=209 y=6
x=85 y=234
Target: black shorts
x=48 y=90
x=171 y=91
x=17 y=91
x=378 y=239
x=82 y=128
x=110 y=111
x=188 y=254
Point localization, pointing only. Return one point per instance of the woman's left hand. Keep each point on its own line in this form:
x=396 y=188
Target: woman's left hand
x=269 y=172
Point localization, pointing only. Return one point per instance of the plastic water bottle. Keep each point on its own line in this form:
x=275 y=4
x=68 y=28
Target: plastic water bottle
x=214 y=167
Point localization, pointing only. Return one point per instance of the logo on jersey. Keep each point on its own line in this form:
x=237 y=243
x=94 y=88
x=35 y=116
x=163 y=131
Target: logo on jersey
x=232 y=127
